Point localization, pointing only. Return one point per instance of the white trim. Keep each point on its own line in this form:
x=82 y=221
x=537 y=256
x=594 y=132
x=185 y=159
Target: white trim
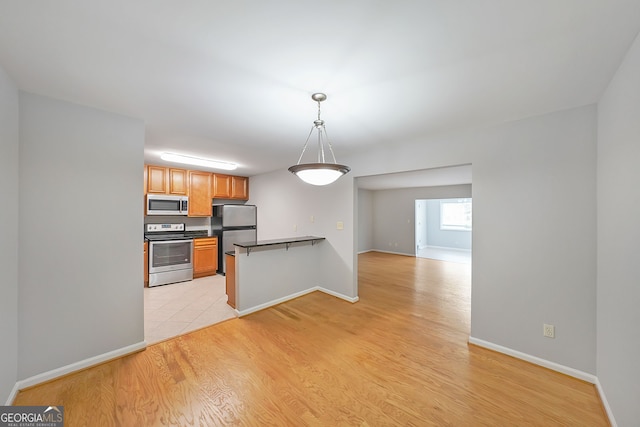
x=393 y=253
x=77 y=366
x=293 y=296
x=273 y=302
x=12 y=395
x=338 y=295
x=605 y=403
x=584 y=376
x=365 y=251
x=447 y=248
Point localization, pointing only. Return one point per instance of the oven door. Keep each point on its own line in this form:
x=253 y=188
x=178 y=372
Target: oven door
x=170 y=255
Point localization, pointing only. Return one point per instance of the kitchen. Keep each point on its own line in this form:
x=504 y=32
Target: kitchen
x=183 y=247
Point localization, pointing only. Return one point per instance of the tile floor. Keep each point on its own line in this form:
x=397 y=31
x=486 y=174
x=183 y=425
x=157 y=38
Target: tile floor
x=178 y=308
x=444 y=254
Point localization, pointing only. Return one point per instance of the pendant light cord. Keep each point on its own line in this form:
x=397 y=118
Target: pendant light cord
x=319 y=124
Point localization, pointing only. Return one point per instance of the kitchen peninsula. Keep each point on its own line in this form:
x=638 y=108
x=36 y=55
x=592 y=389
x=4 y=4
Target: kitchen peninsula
x=268 y=272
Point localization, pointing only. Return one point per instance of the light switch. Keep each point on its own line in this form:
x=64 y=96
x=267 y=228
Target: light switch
x=340 y=225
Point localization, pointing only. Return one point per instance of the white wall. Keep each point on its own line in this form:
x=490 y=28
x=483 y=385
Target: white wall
x=365 y=220
x=394 y=215
x=285 y=207
x=80 y=255
x=457 y=239
x=618 y=236
x=534 y=239
x=421 y=224
x=9 y=102
x=273 y=273
x=534 y=250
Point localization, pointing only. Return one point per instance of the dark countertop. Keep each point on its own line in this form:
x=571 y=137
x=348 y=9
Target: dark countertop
x=260 y=243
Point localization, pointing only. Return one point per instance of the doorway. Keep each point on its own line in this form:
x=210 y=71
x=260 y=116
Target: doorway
x=443 y=229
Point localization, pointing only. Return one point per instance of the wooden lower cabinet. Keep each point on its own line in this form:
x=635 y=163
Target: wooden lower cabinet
x=146 y=264
x=231 y=279
x=205 y=257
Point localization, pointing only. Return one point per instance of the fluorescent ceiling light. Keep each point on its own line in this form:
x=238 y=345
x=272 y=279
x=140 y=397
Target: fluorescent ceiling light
x=198 y=161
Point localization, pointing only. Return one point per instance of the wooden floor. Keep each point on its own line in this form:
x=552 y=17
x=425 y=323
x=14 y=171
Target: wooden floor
x=397 y=357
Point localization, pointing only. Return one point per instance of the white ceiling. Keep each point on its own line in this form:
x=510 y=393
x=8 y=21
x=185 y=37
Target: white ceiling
x=232 y=80
x=453 y=175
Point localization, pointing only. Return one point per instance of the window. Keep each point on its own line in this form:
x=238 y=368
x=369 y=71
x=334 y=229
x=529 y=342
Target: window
x=455 y=214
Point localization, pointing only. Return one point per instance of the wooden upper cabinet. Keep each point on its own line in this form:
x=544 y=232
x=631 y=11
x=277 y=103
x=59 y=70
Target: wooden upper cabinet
x=162 y=180
x=178 y=182
x=240 y=187
x=156 y=180
x=199 y=193
x=221 y=186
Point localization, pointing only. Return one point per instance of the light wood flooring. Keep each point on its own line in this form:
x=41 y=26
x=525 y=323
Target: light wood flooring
x=397 y=357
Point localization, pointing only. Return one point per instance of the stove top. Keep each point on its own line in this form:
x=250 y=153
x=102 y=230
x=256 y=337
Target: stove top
x=157 y=232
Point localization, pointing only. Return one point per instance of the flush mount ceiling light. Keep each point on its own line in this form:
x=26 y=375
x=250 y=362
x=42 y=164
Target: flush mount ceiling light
x=319 y=173
x=198 y=161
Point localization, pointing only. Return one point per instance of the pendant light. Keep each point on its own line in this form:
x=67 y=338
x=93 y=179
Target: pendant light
x=321 y=172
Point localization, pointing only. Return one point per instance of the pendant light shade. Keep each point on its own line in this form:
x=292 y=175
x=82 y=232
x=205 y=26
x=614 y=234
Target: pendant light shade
x=320 y=172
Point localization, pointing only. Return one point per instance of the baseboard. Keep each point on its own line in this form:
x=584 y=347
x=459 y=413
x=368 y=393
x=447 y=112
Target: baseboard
x=584 y=376
x=446 y=248
x=605 y=403
x=12 y=395
x=293 y=296
x=338 y=295
x=273 y=302
x=392 y=253
x=77 y=366
x=364 y=252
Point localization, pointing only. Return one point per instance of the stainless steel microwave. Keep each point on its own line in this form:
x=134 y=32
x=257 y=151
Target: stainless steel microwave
x=162 y=204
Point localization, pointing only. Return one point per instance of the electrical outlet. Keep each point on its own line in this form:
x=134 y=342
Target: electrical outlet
x=340 y=225
x=549 y=331
x=311 y=218
x=295 y=227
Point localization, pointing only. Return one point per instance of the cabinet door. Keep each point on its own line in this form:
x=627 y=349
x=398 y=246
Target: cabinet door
x=239 y=187
x=221 y=186
x=199 y=193
x=156 y=180
x=178 y=183
x=205 y=257
x=230 y=280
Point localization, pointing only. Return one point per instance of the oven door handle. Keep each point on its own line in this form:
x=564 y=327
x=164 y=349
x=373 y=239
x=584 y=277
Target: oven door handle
x=165 y=242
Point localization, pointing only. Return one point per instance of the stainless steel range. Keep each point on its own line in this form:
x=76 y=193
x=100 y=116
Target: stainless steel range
x=170 y=253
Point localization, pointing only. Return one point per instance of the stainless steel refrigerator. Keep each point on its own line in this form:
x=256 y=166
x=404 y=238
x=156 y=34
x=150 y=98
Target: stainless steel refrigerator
x=232 y=224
